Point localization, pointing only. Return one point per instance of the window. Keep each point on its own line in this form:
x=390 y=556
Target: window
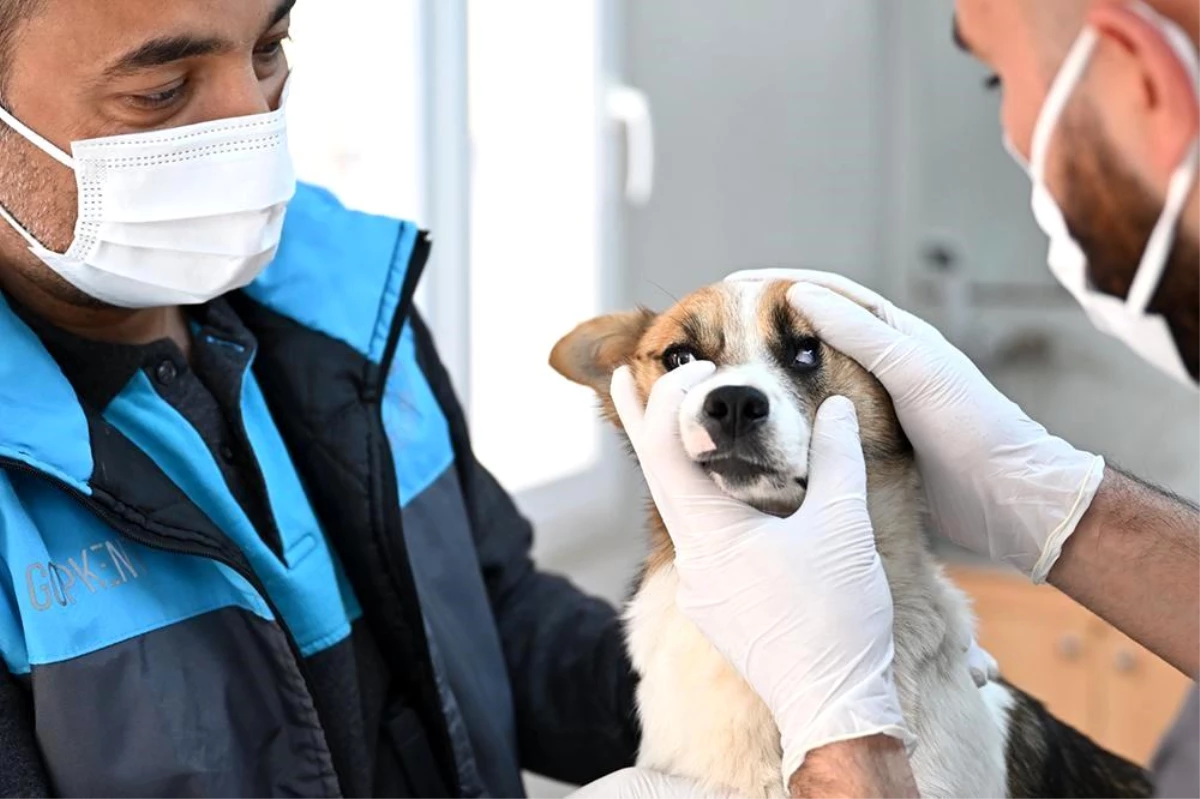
x=534 y=231
x=354 y=107
x=485 y=122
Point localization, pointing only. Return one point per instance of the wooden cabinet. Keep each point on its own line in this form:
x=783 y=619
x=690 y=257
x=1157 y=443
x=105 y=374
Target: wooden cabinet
x=1138 y=696
x=1085 y=671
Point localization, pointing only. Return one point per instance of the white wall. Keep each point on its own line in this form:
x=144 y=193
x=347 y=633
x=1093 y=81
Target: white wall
x=767 y=123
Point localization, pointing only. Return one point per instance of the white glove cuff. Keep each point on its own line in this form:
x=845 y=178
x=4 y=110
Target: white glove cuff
x=1058 y=537
x=870 y=709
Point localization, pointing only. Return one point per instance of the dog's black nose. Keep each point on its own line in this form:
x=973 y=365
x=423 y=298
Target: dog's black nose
x=733 y=411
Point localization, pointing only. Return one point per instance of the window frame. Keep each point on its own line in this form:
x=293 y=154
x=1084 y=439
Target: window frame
x=577 y=506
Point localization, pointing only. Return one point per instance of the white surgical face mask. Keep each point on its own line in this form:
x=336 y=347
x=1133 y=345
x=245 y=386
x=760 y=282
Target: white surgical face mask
x=172 y=217
x=1126 y=319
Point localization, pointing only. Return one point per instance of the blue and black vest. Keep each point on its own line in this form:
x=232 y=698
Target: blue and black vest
x=163 y=644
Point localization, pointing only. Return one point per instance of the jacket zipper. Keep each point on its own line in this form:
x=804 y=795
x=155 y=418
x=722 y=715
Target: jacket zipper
x=416 y=265
x=386 y=513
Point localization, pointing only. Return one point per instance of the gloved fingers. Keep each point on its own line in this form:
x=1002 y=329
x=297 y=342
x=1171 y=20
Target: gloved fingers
x=898 y=318
x=840 y=284
x=836 y=468
x=667 y=395
x=660 y=416
x=982 y=665
x=850 y=328
x=675 y=482
x=625 y=399
x=830 y=280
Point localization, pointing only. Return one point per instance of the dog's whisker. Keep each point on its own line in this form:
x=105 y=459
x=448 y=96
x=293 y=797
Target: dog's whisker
x=658 y=286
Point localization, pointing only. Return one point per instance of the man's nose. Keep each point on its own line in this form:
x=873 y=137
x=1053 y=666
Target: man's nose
x=731 y=412
x=240 y=93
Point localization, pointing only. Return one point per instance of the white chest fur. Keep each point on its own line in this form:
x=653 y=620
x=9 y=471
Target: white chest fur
x=701 y=720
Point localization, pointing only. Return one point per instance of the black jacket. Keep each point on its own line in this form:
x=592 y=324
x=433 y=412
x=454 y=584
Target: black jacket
x=174 y=660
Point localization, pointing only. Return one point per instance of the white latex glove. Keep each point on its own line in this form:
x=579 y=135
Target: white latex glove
x=640 y=783
x=800 y=606
x=997 y=482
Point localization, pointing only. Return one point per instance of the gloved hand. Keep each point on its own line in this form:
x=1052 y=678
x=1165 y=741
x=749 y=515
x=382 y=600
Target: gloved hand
x=640 y=783
x=996 y=481
x=800 y=606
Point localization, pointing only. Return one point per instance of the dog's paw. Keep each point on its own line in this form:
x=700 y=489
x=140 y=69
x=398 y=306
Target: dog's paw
x=983 y=666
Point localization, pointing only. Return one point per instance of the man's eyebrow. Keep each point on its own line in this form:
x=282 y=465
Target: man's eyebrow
x=281 y=11
x=157 y=52
x=168 y=49
x=956 y=34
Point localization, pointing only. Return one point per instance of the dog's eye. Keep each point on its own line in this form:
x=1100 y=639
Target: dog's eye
x=677 y=356
x=808 y=355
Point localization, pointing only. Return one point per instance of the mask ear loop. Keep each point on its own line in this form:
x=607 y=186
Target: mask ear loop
x=1154 y=257
x=1064 y=83
x=34 y=244
x=36 y=139
x=1157 y=252
x=45 y=146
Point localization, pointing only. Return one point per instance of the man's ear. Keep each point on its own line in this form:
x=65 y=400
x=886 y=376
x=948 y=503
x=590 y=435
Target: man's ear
x=590 y=353
x=1165 y=91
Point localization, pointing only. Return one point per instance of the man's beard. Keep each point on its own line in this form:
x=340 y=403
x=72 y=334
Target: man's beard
x=1111 y=215
x=42 y=200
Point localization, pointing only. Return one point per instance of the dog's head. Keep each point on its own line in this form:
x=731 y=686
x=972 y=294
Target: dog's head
x=749 y=424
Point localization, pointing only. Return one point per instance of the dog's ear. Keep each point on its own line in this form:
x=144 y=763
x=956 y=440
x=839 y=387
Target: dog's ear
x=590 y=353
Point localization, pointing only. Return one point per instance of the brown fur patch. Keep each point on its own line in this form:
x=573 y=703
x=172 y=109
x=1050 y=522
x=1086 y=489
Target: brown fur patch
x=841 y=375
x=703 y=322
x=590 y=353
x=1045 y=757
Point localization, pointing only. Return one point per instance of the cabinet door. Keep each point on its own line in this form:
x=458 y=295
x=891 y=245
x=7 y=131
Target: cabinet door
x=1139 y=696
x=1042 y=640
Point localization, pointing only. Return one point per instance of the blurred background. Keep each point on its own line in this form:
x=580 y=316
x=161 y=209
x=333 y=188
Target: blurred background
x=573 y=157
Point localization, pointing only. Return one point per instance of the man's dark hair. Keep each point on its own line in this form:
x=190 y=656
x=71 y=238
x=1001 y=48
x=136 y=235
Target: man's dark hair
x=12 y=14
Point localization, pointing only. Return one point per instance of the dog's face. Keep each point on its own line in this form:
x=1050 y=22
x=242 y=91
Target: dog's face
x=749 y=424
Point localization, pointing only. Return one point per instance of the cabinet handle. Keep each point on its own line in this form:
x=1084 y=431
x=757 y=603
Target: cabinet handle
x=1124 y=661
x=1070 y=646
x=631 y=107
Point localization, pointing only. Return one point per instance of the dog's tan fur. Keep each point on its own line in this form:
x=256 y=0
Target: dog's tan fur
x=730 y=742
x=590 y=353
x=699 y=718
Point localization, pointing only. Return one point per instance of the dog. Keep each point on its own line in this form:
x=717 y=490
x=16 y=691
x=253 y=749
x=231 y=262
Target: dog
x=748 y=427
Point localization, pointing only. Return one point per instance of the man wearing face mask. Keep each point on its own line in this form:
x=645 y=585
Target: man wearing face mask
x=1101 y=97
x=245 y=548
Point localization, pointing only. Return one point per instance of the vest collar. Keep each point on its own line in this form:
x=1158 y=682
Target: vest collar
x=340 y=272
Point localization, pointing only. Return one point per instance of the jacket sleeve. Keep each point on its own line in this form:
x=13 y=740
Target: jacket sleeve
x=21 y=770
x=572 y=681
x=1175 y=767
